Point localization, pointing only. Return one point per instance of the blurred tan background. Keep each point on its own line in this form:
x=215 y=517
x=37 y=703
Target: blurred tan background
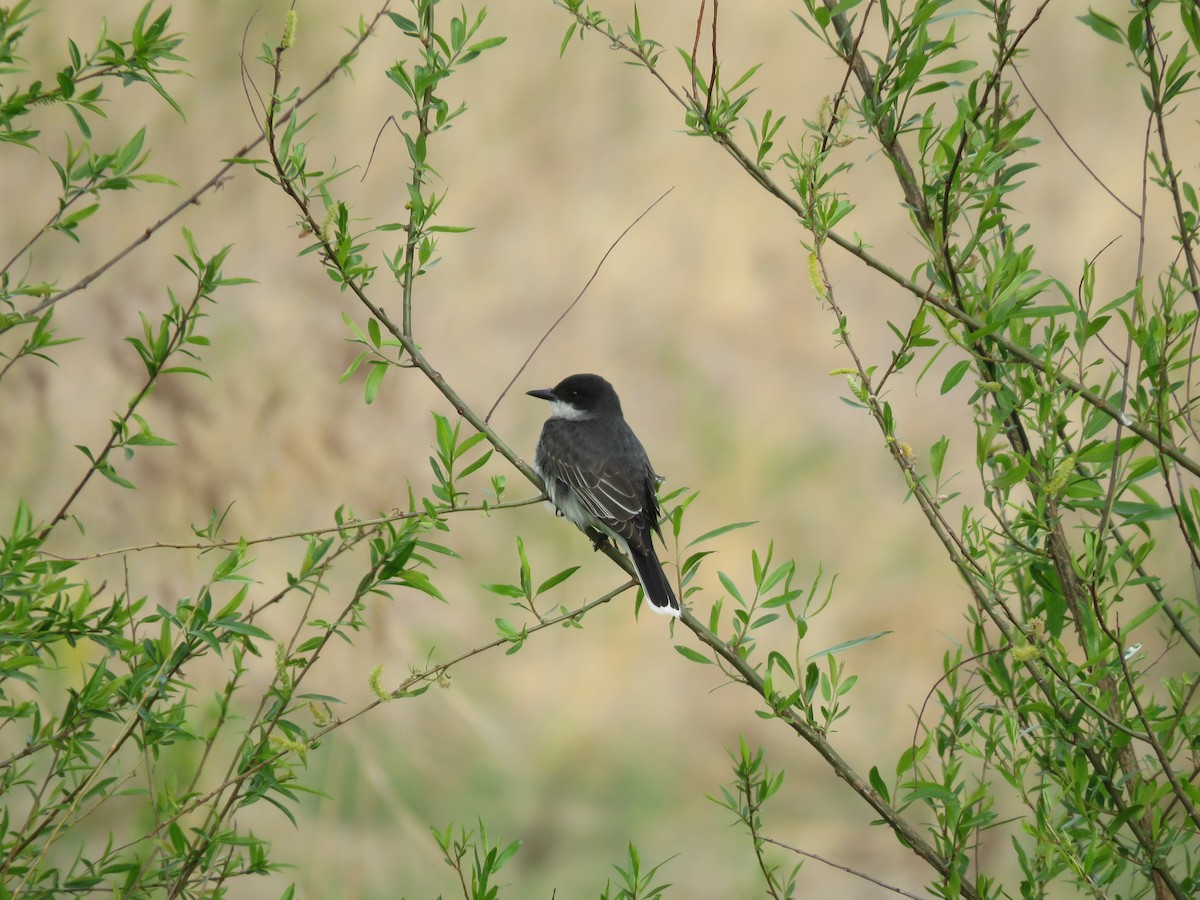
x=705 y=320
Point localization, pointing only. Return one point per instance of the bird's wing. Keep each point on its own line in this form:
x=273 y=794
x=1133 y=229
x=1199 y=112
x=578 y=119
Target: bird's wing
x=609 y=496
x=619 y=496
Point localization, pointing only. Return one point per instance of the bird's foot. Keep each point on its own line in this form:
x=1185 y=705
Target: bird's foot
x=598 y=538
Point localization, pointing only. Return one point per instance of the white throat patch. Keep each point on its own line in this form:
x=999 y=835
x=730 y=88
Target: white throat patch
x=561 y=410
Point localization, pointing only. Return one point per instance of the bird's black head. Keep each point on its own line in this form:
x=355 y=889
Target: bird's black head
x=581 y=397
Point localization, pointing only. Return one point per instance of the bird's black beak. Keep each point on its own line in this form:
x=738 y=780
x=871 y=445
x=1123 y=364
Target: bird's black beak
x=542 y=394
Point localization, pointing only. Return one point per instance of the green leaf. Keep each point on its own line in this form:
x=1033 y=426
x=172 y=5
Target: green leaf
x=420 y=581
x=954 y=68
x=505 y=855
x=694 y=655
x=353 y=367
x=846 y=645
x=469 y=442
x=911 y=755
x=68 y=222
x=374 y=379
x=562 y=48
x=1105 y=451
x=486 y=44
x=505 y=590
x=746 y=77
x=129 y=153
x=717 y=532
x=937 y=456
x=148 y=440
x=239 y=627
x=1013 y=477
x=509 y=632
x=185 y=370
x=1133 y=513
x=955 y=375
x=1106 y=28
x=405 y=25
x=478 y=464
x=731 y=588
x=877 y=783
x=776 y=659
x=555 y=580
x=110 y=473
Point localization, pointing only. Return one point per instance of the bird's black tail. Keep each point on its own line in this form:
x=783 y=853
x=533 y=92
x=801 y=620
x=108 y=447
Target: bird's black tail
x=654 y=582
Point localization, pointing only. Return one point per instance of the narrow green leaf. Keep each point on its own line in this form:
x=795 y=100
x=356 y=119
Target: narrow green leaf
x=239 y=627
x=911 y=755
x=731 y=588
x=486 y=44
x=148 y=440
x=1106 y=28
x=937 y=456
x=877 y=783
x=505 y=590
x=694 y=655
x=717 y=532
x=108 y=472
x=478 y=464
x=185 y=370
x=562 y=48
x=955 y=375
x=846 y=645
x=555 y=580
x=777 y=660
x=374 y=380
x=405 y=25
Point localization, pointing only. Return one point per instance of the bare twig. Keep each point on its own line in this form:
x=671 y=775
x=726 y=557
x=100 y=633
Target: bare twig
x=857 y=873
x=696 y=49
x=304 y=532
x=1063 y=139
x=840 y=96
x=572 y=304
x=712 y=78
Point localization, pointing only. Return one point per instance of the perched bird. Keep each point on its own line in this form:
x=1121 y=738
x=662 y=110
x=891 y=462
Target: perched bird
x=597 y=474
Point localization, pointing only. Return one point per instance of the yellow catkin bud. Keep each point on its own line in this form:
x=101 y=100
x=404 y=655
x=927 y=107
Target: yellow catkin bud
x=279 y=742
x=1062 y=475
x=825 y=114
x=289 y=30
x=281 y=667
x=320 y=714
x=376 y=682
x=1025 y=653
x=814 y=275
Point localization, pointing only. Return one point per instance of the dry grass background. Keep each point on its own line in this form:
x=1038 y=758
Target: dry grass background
x=705 y=320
